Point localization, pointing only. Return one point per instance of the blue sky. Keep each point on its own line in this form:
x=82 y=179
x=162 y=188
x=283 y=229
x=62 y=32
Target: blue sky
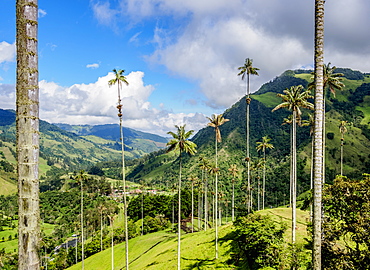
x=180 y=57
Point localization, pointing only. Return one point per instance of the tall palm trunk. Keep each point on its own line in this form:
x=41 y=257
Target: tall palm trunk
x=318 y=133
x=192 y=206
x=27 y=135
x=82 y=226
x=232 y=201
x=124 y=188
x=341 y=153
x=264 y=180
x=247 y=146
x=216 y=206
x=179 y=220
x=205 y=203
x=294 y=174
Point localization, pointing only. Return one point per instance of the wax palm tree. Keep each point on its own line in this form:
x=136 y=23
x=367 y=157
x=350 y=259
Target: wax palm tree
x=318 y=134
x=81 y=177
x=180 y=143
x=118 y=79
x=216 y=121
x=27 y=126
x=193 y=180
x=342 y=129
x=293 y=99
x=204 y=166
x=311 y=123
x=262 y=146
x=333 y=82
x=234 y=172
x=248 y=69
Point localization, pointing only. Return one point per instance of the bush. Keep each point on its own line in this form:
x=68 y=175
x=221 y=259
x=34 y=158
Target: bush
x=257 y=242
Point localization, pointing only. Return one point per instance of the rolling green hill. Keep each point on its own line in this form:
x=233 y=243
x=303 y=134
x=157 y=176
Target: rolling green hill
x=350 y=105
x=158 y=250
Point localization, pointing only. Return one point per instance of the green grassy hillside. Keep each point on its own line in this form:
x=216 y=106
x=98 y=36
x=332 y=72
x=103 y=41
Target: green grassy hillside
x=159 y=250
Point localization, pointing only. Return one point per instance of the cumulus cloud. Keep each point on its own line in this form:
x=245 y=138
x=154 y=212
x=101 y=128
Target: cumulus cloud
x=7 y=52
x=104 y=13
x=213 y=37
x=93 y=66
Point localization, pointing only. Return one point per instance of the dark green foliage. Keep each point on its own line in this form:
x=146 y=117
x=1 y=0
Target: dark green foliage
x=6 y=166
x=95 y=170
x=346 y=241
x=330 y=135
x=154 y=224
x=360 y=93
x=350 y=74
x=257 y=242
x=280 y=83
x=154 y=205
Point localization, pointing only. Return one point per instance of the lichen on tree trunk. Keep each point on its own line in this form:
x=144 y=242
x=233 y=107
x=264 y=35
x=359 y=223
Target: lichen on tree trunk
x=27 y=134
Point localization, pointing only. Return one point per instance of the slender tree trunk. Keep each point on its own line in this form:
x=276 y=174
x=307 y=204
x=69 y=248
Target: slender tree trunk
x=216 y=206
x=142 y=213
x=247 y=147
x=341 y=154
x=311 y=177
x=179 y=221
x=318 y=133
x=264 y=180
x=232 y=202
x=101 y=231
x=294 y=176
x=112 y=242
x=192 y=206
x=206 y=203
x=82 y=226
x=27 y=135
x=124 y=189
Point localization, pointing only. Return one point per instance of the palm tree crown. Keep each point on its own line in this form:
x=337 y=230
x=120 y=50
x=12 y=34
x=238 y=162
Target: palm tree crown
x=264 y=144
x=332 y=80
x=118 y=79
x=216 y=121
x=247 y=68
x=180 y=141
x=295 y=98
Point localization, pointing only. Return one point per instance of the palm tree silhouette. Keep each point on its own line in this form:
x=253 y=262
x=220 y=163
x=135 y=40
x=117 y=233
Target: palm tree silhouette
x=234 y=172
x=180 y=143
x=263 y=146
x=248 y=69
x=119 y=79
x=216 y=121
x=293 y=99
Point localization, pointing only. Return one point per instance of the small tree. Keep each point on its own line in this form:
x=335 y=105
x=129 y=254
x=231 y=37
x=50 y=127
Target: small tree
x=346 y=244
x=257 y=242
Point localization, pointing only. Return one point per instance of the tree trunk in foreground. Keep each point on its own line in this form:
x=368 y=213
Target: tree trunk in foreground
x=27 y=135
x=318 y=133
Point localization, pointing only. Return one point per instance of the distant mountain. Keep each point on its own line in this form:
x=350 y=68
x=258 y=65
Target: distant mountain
x=112 y=132
x=352 y=105
x=79 y=149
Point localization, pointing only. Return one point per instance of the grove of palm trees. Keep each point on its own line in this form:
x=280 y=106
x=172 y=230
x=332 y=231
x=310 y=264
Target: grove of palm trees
x=279 y=180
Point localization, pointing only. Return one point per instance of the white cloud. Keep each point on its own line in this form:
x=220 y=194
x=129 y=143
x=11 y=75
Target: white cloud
x=211 y=38
x=104 y=13
x=42 y=13
x=7 y=52
x=93 y=66
x=95 y=103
